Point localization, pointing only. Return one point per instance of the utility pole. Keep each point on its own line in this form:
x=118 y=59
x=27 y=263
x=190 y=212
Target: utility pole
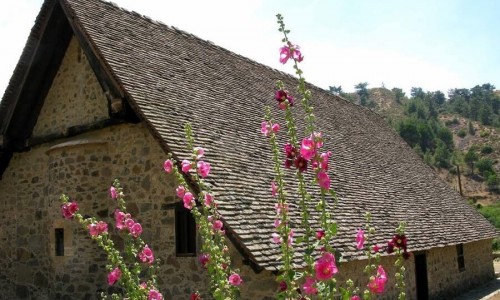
x=459 y=181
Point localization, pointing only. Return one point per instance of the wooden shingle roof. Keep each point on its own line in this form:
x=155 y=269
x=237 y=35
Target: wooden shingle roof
x=170 y=77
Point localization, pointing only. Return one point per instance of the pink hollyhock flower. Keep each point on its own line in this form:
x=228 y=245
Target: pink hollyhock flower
x=129 y=222
x=308 y=287
x=154 y=295
x=217 y=225
x=114 y=276
x=98 y=228
x=297 y=55
x=203 y=169
x=275 y=238
x=308 y=148
x=355 y=297
x=279 y=207
x=323 y=180
x=143 y=285
x=277 y=223
x=324 y=160
x=377 y=283
x=186 y=166
x=274 y=189
x=180 y=191
x=199 y=152
x=146 y=255
x=68 y=210
x=400 y=241
x=325 y=267
x=135 y=230
x=318 y=139
x=264 y=128
x=376 y=248
x=168 y=166
x=290 y=237
x=188 y=200
x=275 y=127
x=203 y=259
x=285 y=54
x=320 y=234
x=119 y=218
x=208 y=199
x=300 y=163
x=360 y=239
x=235 y=280
x=112 y=192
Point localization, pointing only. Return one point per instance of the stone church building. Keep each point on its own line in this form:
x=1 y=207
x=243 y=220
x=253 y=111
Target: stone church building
x=101 y=93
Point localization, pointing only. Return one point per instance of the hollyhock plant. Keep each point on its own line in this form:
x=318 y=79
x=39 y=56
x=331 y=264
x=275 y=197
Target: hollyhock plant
x=360 y=239
x=235 y=279
x=323 y=180
x=377 y=283
x=180 y=191
x=217 y=225
x=154 y=295
x=203 y=168
x=168 y=165
x=320 y=234
x=203 y=259
x=186 y=166
x=112 y=192
x=69 y=209
x=195 y=296
x=98 y=228
x=300 y=163
x=308 y=148
x=114 y=276
x=276 y=238
x=292 y=51
x=325 y=267
x=308 y=286
x=188 y=201
x=274 y=189
x=208 y=199
x=135 y=229
x=199 y=152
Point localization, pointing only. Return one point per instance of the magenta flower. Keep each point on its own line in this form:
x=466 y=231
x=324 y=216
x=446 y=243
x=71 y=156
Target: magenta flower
x=318 y=139
x=188 y=200
x=112 y=192
x=297 y=55
x=264 y=128
x=274 y=189
x=280 y=95
x=146 y=255
x=291 y=234
x=203 y=259
x=180 y=191
x=300 y=163
x=68 y=210
x=98 y=228
x=308 y=286
x=235 y=279
x=168 y=166
x=119 y=218
x=308 y=148
x=325 y=266
x=290 y=150
x=355 y=297
x=199 y=152
x=114 y=276
x=288 y=163
x=320 y=234
x=217 y=225
x=285 y=54
x=154 y=295
x=377 y=283
x=360 y=239
x=275 y=127
x=324 y=160
x=185 y=166
x=208 y=199
x=203 y=169
x=283 y=286
x=376 y=248
x=323 y=180
x=129 y=222
x=135 y=230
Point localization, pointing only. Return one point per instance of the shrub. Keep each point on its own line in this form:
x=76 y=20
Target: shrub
x=486 y=149
x=484 y=133
x=485 y=166
x=461 y=133
x=453 y=121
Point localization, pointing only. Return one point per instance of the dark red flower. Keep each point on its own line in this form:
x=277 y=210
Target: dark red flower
x=301 y=163
x=288 y=163
x=406 y=255
x=283 y=286
x=280 y=95
x=203 y=259
x=290 y=150
x=390 y=247
x=195 y=296
x=400 y=241
x=320 y=234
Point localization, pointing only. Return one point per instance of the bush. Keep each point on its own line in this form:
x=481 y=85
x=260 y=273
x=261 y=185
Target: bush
x=484 y=133
x=453 y=121
x=485 y=166
x=486 y=149
x=461 y=133
x=493 y=183
x=492 y=214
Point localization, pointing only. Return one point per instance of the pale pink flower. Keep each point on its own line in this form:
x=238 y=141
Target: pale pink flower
x=135 y=230
x=325 y=266
x=290 y=51
x=180 y=191
x=291 y=234
x=188 y=200
x=377 y=283
x=98 y=228
x=264 y=128
x=275 y=238
x=199 y=152
x=114 y=276
x=323 y=180
x=360 y=239
x=129 y=222
x=277 y=223
x=274 y=189
x=297 y=55
x=112 y=192
x=168 y=166
x=308 y=148
x=318 y=139
x=235 y=279
x=154 y=295
x=208 y=199
x=68 y=210
x=146 y=255
x=143 y=285
x=186 y=166
x=217 y=225
x=308 y=286
x=203 y=168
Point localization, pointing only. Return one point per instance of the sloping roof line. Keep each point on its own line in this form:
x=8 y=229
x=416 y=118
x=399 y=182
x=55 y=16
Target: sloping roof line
x=170 y=77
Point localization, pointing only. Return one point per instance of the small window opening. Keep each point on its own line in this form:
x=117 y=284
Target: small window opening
x=59 y=234
x=460 y=257
x=185 y=232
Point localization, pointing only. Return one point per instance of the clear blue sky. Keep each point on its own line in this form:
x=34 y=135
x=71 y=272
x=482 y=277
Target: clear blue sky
x=430 y=44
